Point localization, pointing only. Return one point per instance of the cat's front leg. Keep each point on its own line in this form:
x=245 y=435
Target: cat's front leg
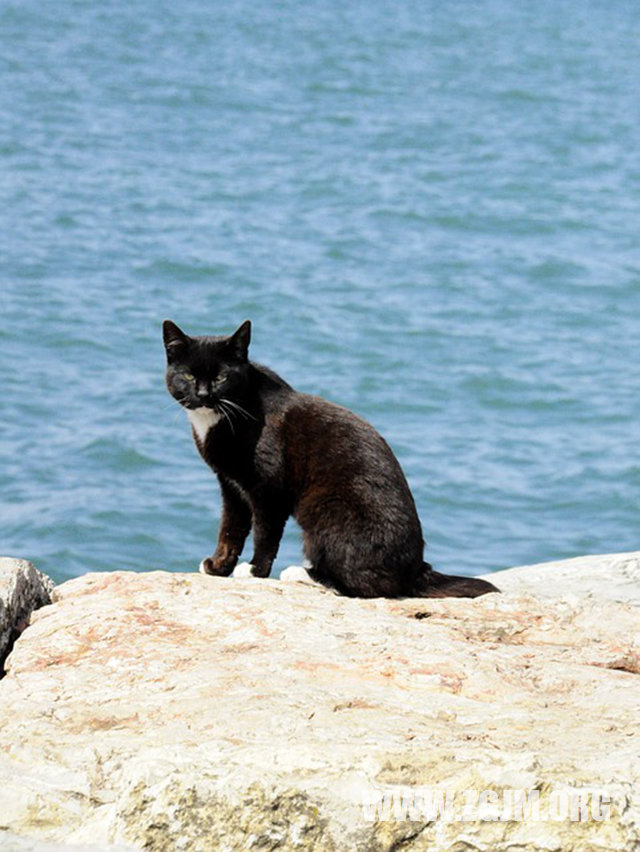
x=234 y=529
x=269 y=518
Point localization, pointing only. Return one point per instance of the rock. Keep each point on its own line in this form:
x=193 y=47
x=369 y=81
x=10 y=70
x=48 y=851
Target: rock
x=614 y=577
x=182 y=712
x=13 y=843
x=22 y=589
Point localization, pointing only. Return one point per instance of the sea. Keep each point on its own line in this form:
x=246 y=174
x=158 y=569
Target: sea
x=429 y=210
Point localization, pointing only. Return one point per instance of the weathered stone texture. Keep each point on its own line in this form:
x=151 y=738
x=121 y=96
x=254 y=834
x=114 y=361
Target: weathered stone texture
x=22 y=589
x=184 y=712
x=614 y=577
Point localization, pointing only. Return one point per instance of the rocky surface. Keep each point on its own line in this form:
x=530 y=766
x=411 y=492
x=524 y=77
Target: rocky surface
x=167 y=712
x=614 y=577
x=22 y=589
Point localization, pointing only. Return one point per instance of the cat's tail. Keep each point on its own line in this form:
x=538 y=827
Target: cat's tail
x=432 y=584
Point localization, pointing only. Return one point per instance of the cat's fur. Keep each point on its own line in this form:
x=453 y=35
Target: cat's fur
x=278 y=453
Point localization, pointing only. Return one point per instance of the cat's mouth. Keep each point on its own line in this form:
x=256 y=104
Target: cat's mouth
x=197 y=404
x=192 y=403
x=232 y=411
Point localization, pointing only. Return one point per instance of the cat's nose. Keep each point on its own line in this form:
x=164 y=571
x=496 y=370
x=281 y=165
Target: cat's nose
x=203 y=393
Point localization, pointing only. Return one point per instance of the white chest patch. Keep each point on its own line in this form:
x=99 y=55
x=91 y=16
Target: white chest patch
x=202 y=419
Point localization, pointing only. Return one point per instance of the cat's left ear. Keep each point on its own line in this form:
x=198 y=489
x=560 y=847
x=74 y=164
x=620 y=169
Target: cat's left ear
x=239 y=341
x=174 y=338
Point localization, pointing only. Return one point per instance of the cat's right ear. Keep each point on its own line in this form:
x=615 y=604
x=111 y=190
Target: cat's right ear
x=240 y=339
x=175 y=340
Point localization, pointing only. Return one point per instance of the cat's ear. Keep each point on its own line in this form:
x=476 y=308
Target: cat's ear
x=239 y=341
x=175 y=340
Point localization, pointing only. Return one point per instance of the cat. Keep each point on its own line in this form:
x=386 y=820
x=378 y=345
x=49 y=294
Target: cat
x=280 y=453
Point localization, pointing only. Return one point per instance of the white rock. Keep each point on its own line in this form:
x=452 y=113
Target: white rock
x=166 y=712
x=12 y=843
x=612 y=577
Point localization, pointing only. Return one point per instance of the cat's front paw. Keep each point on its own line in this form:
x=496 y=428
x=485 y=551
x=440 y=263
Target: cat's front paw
x=217 y=566
x=207 y=567
x=244 y=569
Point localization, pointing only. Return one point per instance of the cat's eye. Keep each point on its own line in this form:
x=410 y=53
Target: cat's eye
x=187 y=376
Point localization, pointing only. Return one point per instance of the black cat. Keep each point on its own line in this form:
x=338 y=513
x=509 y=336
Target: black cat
x=278 y=453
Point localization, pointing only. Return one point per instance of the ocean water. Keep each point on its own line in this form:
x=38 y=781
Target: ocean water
x=430 y=211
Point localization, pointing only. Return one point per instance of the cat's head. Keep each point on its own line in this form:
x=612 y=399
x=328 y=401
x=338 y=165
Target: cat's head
x=204 y=372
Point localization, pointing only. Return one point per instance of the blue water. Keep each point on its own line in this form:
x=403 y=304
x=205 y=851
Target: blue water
x=431 y=213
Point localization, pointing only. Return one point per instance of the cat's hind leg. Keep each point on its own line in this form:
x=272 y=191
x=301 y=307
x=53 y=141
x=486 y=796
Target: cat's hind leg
x=244 y=569
x=296 y=574
x=305 y=574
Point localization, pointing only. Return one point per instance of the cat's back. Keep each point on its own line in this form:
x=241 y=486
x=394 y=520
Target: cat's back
x=323 y=452
x=331 y=448
x=346 y=490
x=316 y=423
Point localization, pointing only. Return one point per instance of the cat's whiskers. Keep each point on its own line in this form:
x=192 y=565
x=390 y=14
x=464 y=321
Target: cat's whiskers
x=174 y=409
x=226 y=414
x=240 y=410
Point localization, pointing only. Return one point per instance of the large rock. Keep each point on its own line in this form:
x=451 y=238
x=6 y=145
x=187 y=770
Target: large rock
x=13 y=843
x=22 y=589
x=614 y=577
x=181 y=712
